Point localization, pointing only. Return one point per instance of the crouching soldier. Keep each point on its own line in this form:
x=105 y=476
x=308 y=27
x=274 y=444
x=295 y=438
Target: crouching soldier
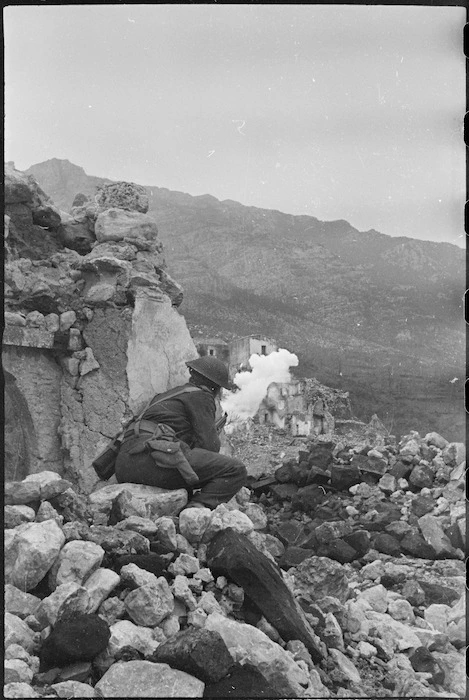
x=175 y=443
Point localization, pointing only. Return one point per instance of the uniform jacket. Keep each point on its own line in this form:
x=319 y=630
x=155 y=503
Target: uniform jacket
x=191 y=416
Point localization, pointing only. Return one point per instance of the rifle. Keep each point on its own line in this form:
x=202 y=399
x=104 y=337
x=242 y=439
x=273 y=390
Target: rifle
x=220 y=423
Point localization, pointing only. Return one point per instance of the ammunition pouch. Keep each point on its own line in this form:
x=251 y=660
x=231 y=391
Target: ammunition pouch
x=166 y=451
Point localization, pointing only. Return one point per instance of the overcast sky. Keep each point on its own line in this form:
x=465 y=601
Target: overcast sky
x=341 y=112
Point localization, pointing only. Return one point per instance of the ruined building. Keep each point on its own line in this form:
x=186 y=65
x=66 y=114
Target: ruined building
x=304 y=407
x=236 y=353
x=92 y=329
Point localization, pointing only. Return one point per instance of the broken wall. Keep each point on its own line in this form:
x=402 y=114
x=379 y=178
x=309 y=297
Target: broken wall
x=92 y=329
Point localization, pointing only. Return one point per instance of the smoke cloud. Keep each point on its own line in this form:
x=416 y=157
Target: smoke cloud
x=253 y=385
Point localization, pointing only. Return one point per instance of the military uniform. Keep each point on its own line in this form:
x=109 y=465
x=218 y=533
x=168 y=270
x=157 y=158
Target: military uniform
x=191 y=415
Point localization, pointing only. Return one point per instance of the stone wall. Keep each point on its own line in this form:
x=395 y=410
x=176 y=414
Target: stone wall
x=92 y=329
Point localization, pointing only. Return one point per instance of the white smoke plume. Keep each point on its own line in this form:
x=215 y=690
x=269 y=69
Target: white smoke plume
x=266 y=369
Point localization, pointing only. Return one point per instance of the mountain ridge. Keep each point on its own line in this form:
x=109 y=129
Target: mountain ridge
x=353 y=305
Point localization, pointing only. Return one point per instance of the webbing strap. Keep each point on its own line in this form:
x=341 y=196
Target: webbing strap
x=171 y=394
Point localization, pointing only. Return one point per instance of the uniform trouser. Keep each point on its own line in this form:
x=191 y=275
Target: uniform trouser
x=220 y=477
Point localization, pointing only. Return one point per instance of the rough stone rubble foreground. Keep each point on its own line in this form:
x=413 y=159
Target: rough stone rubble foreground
x=127 y=566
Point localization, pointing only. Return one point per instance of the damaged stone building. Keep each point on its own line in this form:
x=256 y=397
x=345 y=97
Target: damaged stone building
x=304 y=407
x=92 y=329
x=236 y=353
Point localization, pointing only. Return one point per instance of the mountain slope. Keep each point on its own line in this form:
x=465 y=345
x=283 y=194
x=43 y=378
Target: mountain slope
x=377 y=315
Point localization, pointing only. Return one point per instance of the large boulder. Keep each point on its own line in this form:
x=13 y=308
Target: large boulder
x=31 y=552
x=157 y=501
x=246 y=642
x=137 y=679
x=76 y=562
x=79 y=637
x=200 y=652
x=231 y=554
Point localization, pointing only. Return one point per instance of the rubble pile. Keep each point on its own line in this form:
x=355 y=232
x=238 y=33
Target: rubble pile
x=306 y=587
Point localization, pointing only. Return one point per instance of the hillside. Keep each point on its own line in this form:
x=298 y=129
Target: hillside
x=376 y=315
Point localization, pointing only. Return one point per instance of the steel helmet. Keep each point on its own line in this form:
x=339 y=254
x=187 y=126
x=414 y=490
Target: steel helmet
x=212 y=368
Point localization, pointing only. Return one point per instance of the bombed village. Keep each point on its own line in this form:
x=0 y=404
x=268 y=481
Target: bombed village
x=234 y=438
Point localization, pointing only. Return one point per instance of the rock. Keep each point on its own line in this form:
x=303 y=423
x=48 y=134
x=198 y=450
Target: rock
x=437 y=615
x=434 y=535
x=180 y=590
x=454 y=453
x=78 y=638
x=387 y=544
x=135 y=679
x=257 y=515
x=366 y=649
x=193 y=522
x=166 y=531
x=126 y=633
x=47 y=512
x=73 y=689
x=19 y=690
x=154 y=563
x=244 y=681
x=359 y=540
x=376 y=596
x=276 y=665
x=416 y=546
x=111 y=610
x=424 y=662
x=435 y=439
x=308 y=498
x=318 y=577
x=68 y=595
x=233 y=555
x=132 y=576
x=453 y=665
x=144 y=526
x=117 y=541
x=31 y=552
x=320 y=455
x=123 y=195
x=19 y=603
x=223 y=518
x=422 y=476
x=17 y=671
x=414 y=593
x=16 y=515
x=158 y=501
x=332 y=530
x=346 y=666
x=99 y=585
x=75 y=563
x=76 y=235
x=199 y=652
x=148 y=605
x=387 y=483
x=338 y=550
x=21 y=492
x=401 y=610
x=384 y=626
x=18 y=632
x=293 y=556
x=422 y=505
x=116 y=225
x=343 y=476
x=125 y=506
x=184 y=564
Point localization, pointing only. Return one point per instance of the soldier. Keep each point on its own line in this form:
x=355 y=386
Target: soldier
x=175 y=443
